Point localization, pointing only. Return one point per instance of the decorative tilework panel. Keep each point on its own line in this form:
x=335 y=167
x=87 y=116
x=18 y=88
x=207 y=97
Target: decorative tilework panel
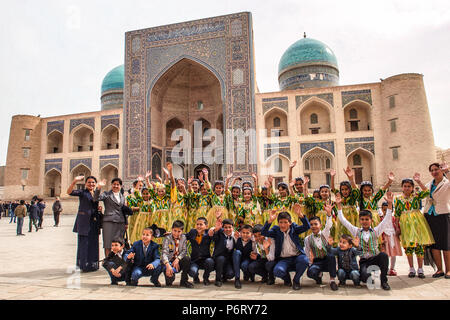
x=275 y=99
x=238 y=100
x=269 y=105
x=112 y=119
x=136 y=44
x=135 y=89
x=136 y=66
x=135 y=165
x=55 y=125
x=111 y=156
x=238 y=77
x=53 y=160
x=368 y=146
x=284 y=151
x=114 y=162
x=359 y=139
x=185 y=31
x=87 y=121
x=56 y=166
x=328 y=97
x=236 y=28
x=75 y=162
x=349 y=96
x=327 y=145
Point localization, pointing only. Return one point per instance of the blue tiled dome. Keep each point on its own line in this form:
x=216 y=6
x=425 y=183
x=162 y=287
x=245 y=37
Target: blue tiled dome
x=113 y=79
x=306 y=51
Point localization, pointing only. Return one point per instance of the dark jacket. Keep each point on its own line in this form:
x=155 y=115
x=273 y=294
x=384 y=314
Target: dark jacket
x=140 y=260
x=277 y=234
x=220 y=248
x=41 y=207
x=34 y=211
x=340 y=254
x=87 y=216
x=245 y=250
x=57 y=208
x=199 y=251
x=118 y=261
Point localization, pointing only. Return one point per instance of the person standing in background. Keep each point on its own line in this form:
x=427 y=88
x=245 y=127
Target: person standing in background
x=12 y=208
x=57 y=209
x=20 y=213
x=41 y=206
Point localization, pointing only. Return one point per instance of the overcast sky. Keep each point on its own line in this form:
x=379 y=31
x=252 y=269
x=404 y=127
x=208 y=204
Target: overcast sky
x=54 y=54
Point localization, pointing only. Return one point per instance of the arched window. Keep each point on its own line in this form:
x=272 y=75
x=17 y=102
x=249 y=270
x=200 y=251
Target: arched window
x=307 y=164
x=314 y=119
x=356 y=160
x=353 y=114
x=156 y=165
x=327 y=163
x=278 y=165
x=276 y=122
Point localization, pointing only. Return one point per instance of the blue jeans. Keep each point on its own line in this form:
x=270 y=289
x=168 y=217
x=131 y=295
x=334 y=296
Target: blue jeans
x=139 y=272
x=19 y=225
x=285 y=265
x=238 y=264
x=352 y=275
x=327 y=264
x=224 y=268
x=13 y=216
x=206 y=264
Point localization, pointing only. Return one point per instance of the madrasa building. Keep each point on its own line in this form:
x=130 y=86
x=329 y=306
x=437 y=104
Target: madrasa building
x=203 y=72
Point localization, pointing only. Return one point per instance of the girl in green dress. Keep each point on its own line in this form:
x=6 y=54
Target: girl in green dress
x=283 y=202
x=143 y=217
x=415 y=231
x=134 y=200
x=250 y=210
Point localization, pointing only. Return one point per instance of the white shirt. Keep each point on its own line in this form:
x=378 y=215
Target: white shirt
x=230 y=241
x=259 y=248
x=318 y=240
x=117 y=196
x=289 y=249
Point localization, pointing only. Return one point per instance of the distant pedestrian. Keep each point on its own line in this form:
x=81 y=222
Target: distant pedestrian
x=57 y=209
x=33 y=215
x=41 y=206
x=12 y=209
x=20 y=213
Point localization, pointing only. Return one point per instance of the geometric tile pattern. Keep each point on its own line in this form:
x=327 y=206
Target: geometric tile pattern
x=328 y=97
x=349 y=96
x=113 y=119
x=55 y=125
x=352 y=146
x=53 y=164
x=327 y=145
x=87 y=121
x=75 y=162
x=220 y=44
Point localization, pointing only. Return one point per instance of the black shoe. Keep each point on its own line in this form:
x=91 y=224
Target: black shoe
x=237 y=284
x=333 y=286
x=252 y=278
x=206 y=282
x=438 y=275
x=246 y=277
x=341 y=283
x=270 y=281
x=157 y=284
x=264 y=279
x=132 y=284
x=385 y=286
x=411 y=275
x=169 y=281
x=296 y=286
x=447 y=276
x=319 y=280
x=218 y=283
x=186 y=284
x=287 y=283
x=114 y=283
x=421 y=275
x=196 y=280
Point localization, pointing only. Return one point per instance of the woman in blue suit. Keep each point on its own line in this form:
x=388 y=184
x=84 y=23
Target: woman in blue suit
x=87 y=224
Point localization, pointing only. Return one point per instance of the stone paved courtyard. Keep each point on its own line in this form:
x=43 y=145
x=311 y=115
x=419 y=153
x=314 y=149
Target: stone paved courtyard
x=39 y=266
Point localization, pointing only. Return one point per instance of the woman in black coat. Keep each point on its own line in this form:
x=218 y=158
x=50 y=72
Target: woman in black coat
x=87 y=224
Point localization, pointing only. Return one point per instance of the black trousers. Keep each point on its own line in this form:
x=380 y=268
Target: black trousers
x=185 y=264
x=381 y=260
x=258 y=267
x=206 y=264
x=56 y=217
x=224 y=267
x=40 y=219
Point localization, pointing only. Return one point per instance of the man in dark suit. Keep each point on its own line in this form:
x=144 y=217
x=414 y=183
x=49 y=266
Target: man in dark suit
x=289 y=253
x=224 y=243
x=200 y=255
x=146 y=259
x=241 y=255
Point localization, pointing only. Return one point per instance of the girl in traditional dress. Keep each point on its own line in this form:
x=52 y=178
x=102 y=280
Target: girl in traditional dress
x=144 y=217
x=134 y=200
x=249 y=209
x=316 y=194
x=283 y=201
x=369 y=201
x=317 y=207
x=193 y=194
x=350 y=197
x=219 y=204
x=179 y=198
x=161 y=206
x=391 y=244
x=414 y=228
x=264 y=200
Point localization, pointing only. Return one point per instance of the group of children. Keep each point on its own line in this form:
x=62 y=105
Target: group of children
x=262 y=231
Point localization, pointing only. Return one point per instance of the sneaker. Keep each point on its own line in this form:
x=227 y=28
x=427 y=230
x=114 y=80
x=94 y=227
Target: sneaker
x=333 y=286
x=392 y=272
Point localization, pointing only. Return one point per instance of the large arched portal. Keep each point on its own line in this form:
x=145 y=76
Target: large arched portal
x=185 y=93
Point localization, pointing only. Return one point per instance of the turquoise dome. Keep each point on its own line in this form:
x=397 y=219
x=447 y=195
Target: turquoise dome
x=113 y=79
x=307 y=51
